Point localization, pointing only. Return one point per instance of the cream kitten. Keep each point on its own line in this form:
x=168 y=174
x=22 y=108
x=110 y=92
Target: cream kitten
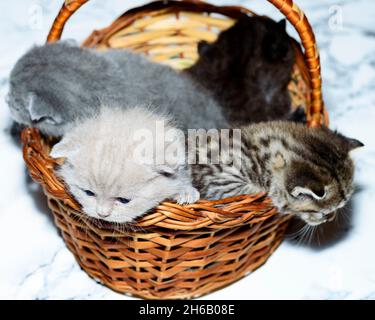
x=117 y=176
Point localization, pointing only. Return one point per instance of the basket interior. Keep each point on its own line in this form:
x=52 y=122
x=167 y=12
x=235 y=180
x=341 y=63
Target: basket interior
x=171 y=35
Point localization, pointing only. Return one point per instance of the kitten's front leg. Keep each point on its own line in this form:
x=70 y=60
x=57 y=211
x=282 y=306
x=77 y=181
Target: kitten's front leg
x=187 y=195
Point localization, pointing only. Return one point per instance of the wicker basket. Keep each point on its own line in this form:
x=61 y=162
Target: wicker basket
x=176 y=251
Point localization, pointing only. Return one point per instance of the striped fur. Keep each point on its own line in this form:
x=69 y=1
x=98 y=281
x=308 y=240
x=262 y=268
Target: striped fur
x=306 y=171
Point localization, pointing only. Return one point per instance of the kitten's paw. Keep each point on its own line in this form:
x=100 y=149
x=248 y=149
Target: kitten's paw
x=188 y=195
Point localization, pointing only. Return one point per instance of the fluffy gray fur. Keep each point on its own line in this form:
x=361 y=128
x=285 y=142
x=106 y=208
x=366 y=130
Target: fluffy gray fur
x=55 y=84
x=307 y=172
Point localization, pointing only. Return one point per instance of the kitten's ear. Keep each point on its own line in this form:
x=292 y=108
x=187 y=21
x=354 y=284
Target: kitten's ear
x=316 y=191
x=203 y=47
x=62 y=149
x=282 y=24
x=39 y=108
x=349 y=143
x=354 y=144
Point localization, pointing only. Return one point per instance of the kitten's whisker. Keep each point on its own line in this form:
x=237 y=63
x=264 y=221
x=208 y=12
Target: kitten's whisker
x=317 y=234
x=296 y=233
x=82 y=219
x=301 y=237
x=304 y=235
x=345 y=214
x=114 y=231
x=311 y=234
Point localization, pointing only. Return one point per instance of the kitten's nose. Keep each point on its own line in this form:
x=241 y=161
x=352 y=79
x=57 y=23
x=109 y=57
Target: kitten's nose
x=104 y=214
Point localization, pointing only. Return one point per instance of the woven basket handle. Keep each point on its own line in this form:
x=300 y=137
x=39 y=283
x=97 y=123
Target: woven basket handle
x=292 y=13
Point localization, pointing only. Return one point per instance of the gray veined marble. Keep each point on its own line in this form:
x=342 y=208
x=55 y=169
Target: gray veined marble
x=35 y=263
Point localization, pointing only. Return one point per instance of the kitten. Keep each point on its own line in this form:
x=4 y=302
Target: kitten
x=306 y=171
x=248 y=69
x=110 y=171
x=57 y=83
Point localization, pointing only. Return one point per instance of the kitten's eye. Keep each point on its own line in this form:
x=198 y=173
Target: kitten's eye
x=320 y=193
x=89 y=193
x=122 y=200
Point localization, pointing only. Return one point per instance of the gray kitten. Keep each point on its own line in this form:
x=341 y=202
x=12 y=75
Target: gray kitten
x=306 y=171
x=55 y=84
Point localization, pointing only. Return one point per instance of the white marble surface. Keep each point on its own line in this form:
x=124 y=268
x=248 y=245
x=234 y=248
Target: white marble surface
x=34 y=262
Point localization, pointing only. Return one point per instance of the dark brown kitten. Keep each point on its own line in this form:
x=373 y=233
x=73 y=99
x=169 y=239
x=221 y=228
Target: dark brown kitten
x=307 y=172
x=248 y=70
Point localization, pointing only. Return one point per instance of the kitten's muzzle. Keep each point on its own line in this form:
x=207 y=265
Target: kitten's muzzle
x=316 y=218
x=313 y=218
x=103 y=214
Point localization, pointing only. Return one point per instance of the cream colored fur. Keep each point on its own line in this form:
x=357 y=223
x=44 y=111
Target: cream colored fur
x=100 y=157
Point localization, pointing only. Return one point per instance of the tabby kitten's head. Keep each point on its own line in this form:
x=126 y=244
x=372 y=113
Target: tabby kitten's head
x=312 y=172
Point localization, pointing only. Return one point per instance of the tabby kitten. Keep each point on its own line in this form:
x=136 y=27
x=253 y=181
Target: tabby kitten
x=306 y=171
x=248 y=69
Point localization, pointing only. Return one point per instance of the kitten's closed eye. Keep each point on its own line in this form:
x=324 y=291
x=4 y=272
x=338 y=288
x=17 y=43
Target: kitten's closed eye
x=313 y=193
x=166 y=171
x=122 y=200
x=46 y=119
x=89 y=193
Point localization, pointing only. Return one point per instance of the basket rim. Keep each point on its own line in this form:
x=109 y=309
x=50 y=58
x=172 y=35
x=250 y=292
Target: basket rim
x=214 y=214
